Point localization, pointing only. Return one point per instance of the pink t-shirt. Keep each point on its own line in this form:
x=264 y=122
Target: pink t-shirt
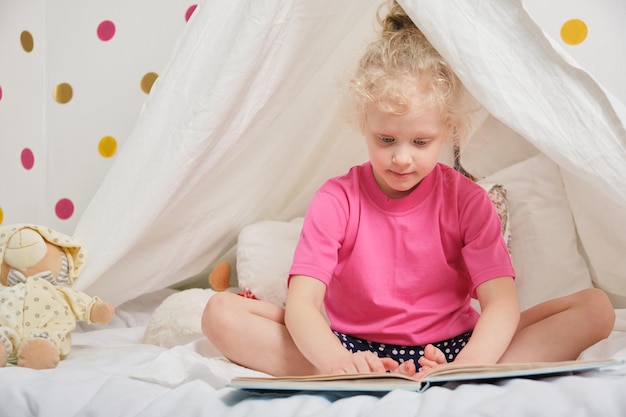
x=401 y=271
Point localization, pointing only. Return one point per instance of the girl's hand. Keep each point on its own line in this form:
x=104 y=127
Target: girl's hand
x=432 y=358
x=362 y=362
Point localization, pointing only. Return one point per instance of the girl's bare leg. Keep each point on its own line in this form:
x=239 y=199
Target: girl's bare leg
x=560 y=329
x=556 y=330
x=252 y=333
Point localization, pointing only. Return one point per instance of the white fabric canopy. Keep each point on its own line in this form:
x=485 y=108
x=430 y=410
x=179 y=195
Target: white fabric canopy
x=520 y=78
x=247 y=121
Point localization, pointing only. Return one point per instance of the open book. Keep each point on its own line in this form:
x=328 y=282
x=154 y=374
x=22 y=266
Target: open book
x=383 y=382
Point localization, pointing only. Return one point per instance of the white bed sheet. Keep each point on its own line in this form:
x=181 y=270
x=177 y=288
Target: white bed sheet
x=109 y=372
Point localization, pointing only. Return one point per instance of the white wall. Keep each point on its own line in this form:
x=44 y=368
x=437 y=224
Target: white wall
x=53 y=155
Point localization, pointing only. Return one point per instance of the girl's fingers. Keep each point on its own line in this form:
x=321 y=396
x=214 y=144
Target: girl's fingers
x=361 y=362
x=369 y=362
x=389 y=364
x=374 y=363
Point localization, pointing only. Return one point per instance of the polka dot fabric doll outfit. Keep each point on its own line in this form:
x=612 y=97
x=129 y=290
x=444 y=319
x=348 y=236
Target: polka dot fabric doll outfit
x=37 y=308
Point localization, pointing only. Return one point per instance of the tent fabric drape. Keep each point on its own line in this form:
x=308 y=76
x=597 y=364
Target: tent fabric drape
x=248 y=120
x=244 y=125
x=523 y=79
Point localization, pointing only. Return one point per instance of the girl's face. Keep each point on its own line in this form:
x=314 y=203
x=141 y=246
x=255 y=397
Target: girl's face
x=405 y=148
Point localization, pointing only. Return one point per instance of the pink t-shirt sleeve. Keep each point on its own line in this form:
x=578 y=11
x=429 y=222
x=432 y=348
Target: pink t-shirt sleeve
x=323 y=229
x=484 y=250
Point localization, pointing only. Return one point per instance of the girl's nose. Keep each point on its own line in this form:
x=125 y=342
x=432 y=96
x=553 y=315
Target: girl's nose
x=401 y=157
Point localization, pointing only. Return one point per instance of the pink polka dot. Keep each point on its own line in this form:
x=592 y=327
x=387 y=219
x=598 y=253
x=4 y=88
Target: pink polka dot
x=28 y=158
x=106 y=30
x=190 y=11
x=64 y=208
x=0 y=92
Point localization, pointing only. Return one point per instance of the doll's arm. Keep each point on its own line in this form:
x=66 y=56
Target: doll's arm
x=87 y=308
x=101 y=311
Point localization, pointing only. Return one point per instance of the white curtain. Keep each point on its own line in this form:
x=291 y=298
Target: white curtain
x=244 y=124
x=247 y=121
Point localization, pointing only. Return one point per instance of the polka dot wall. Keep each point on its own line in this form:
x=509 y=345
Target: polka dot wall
x=74 y=76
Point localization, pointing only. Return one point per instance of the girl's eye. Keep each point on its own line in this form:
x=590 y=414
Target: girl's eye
x=421 y=142
x=386 y=139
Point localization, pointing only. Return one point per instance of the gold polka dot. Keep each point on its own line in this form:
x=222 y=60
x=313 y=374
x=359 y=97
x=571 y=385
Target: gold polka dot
x=63 y=93
x=574 y=31
x=1 y=215
x=107 y=146
x=147 y=81
x=26 y=39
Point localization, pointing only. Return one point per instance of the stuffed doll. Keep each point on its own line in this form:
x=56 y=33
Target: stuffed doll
x=38 y=307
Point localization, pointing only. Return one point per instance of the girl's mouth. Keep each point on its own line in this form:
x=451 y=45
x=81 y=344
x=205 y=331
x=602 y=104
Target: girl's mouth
x=400 y=175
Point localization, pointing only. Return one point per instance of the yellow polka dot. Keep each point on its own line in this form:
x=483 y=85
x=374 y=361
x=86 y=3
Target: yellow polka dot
x=26 y=39
x=1 y=215
x=574 y=31
x=147 y=81
x=63 y=93
x=107 y=146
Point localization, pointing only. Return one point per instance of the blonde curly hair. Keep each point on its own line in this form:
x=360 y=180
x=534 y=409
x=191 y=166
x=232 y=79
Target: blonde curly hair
x=400 y=61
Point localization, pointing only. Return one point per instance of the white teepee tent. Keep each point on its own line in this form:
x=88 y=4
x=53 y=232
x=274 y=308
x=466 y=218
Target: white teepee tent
x=246 y=122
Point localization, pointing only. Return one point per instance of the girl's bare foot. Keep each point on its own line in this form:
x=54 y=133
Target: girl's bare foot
x=407 y=368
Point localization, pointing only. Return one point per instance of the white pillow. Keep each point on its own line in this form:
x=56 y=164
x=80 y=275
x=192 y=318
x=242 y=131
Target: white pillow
x=544 y=246
x=264 y=255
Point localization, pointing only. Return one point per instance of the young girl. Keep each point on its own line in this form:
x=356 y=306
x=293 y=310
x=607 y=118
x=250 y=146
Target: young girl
x=392 y=252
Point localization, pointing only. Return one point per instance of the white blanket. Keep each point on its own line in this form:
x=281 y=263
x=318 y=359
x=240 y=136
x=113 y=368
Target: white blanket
x=109 y=372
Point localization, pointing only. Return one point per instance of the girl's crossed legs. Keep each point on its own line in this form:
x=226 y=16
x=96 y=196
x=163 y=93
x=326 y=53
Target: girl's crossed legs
x=252 y=333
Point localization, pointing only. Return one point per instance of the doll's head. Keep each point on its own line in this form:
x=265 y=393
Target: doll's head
x=28 y=250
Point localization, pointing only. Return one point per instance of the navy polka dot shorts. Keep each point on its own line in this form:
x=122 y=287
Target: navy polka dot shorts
x=450 y=348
